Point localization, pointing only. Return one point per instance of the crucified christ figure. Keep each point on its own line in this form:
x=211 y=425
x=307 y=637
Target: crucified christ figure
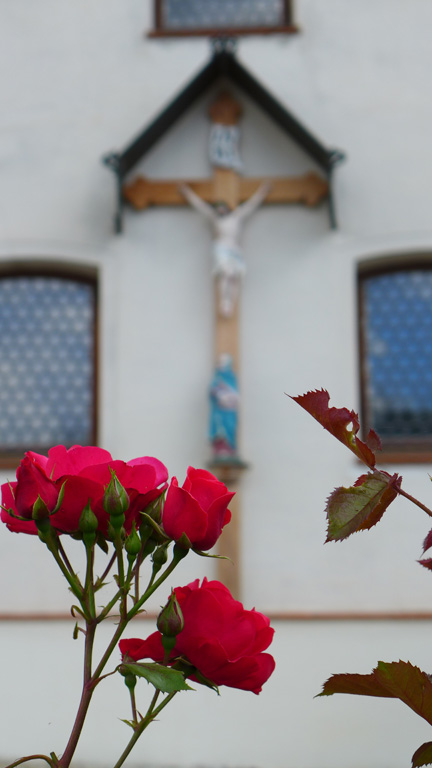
x=228 y=262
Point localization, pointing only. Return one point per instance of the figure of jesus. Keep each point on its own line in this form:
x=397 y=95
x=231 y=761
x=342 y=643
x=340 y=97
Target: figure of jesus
x=228 y=262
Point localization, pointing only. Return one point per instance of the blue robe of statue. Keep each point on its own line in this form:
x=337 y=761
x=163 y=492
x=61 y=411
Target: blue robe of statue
x=224 y=399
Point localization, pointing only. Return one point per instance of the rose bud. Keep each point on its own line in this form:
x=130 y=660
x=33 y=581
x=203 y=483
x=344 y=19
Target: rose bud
x=133 y=544
x=88 y=524
x=116 y=501
x=170 y=620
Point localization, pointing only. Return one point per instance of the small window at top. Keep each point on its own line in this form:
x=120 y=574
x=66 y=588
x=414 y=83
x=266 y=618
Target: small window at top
x=212 y=17
x=396 y=359
x=47 y=362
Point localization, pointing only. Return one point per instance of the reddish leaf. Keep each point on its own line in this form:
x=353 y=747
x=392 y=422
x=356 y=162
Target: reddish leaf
x=426 y=563
x=361 y=506
x=361 y=685
x=409 y=684
x=394 y=680
x=423 y=756
x=427 y=542
x=341 y=423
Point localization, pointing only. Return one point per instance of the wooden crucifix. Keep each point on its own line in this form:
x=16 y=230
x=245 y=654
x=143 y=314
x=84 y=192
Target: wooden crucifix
x=226 y=200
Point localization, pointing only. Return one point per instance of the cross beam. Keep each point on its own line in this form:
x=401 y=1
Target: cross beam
x=228 y=186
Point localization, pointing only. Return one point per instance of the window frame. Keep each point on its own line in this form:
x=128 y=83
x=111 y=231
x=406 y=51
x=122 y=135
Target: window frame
x=287 y=27
x=395 y=450
x=79 y=274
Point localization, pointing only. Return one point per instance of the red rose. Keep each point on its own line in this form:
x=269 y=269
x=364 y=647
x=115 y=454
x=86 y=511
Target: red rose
x=8 y=501
x=33 y=482
x=199 y=509
x=220 y=638
x=85 y=474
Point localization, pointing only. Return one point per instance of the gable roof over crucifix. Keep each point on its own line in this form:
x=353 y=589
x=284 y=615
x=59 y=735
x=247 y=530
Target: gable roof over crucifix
x=223 y=64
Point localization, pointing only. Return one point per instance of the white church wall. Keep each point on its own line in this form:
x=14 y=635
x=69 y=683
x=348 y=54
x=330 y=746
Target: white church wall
x=83 y=79
x=283 y=726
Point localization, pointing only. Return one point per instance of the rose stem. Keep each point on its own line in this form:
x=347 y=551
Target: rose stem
x=151 y=714
x=32 y=757
x=87 y=692
x=415 y=501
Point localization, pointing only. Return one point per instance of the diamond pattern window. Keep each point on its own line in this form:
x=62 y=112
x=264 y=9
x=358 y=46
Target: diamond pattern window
x=396 y=358
x=47 y=362
x=210 y=17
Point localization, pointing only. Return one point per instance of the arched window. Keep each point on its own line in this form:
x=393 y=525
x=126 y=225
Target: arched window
x=396 y=356
x=48 y=371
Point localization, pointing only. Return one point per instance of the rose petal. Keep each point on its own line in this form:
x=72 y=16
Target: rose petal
x=182 y=514
x=71 y=461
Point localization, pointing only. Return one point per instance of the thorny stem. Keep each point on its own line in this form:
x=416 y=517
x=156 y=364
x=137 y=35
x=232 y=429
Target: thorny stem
x=47 y=759
x=71 y=578
x=152 y=587
x=415 y=501
x=89 y=583
x=108 y=568
x=124 y=621
x=149 y=717
x=136 y=574
x=90 y=681
x=65 y=557
x=133 y=705
x=122 y=591
x=87 y=692
x=105 y=658
x=121 y=577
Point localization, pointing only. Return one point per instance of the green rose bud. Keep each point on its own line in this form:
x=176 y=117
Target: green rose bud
x=148 y=548
x=115 y=501
x=88 y=524
x=160 y=556
x=170 y=620
x=133 y=544
x=130 y=681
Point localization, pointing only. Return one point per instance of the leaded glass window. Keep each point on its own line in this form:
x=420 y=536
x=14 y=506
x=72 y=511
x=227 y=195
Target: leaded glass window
x=396 y=343
x=47 y=361
x=204 y=16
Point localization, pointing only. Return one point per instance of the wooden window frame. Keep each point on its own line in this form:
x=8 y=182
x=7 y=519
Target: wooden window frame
x=404 y=450
x=286 y=28
x=78 y=274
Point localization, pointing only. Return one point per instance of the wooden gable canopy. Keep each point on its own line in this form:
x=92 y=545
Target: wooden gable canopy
x=223 y=64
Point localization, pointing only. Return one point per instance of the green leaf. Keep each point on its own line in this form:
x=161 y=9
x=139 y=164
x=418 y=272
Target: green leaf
x=392 y=680
x=163 y=678
x=215 y=557
x=205 y=681
x=423 y=755
x=162 y=537
x=188 y=670
x=361 y=506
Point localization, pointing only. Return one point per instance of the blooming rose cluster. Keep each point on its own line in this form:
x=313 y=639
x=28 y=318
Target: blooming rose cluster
x=84 y=474
x=67 y=480
x=221 y=639
x=209 y=629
